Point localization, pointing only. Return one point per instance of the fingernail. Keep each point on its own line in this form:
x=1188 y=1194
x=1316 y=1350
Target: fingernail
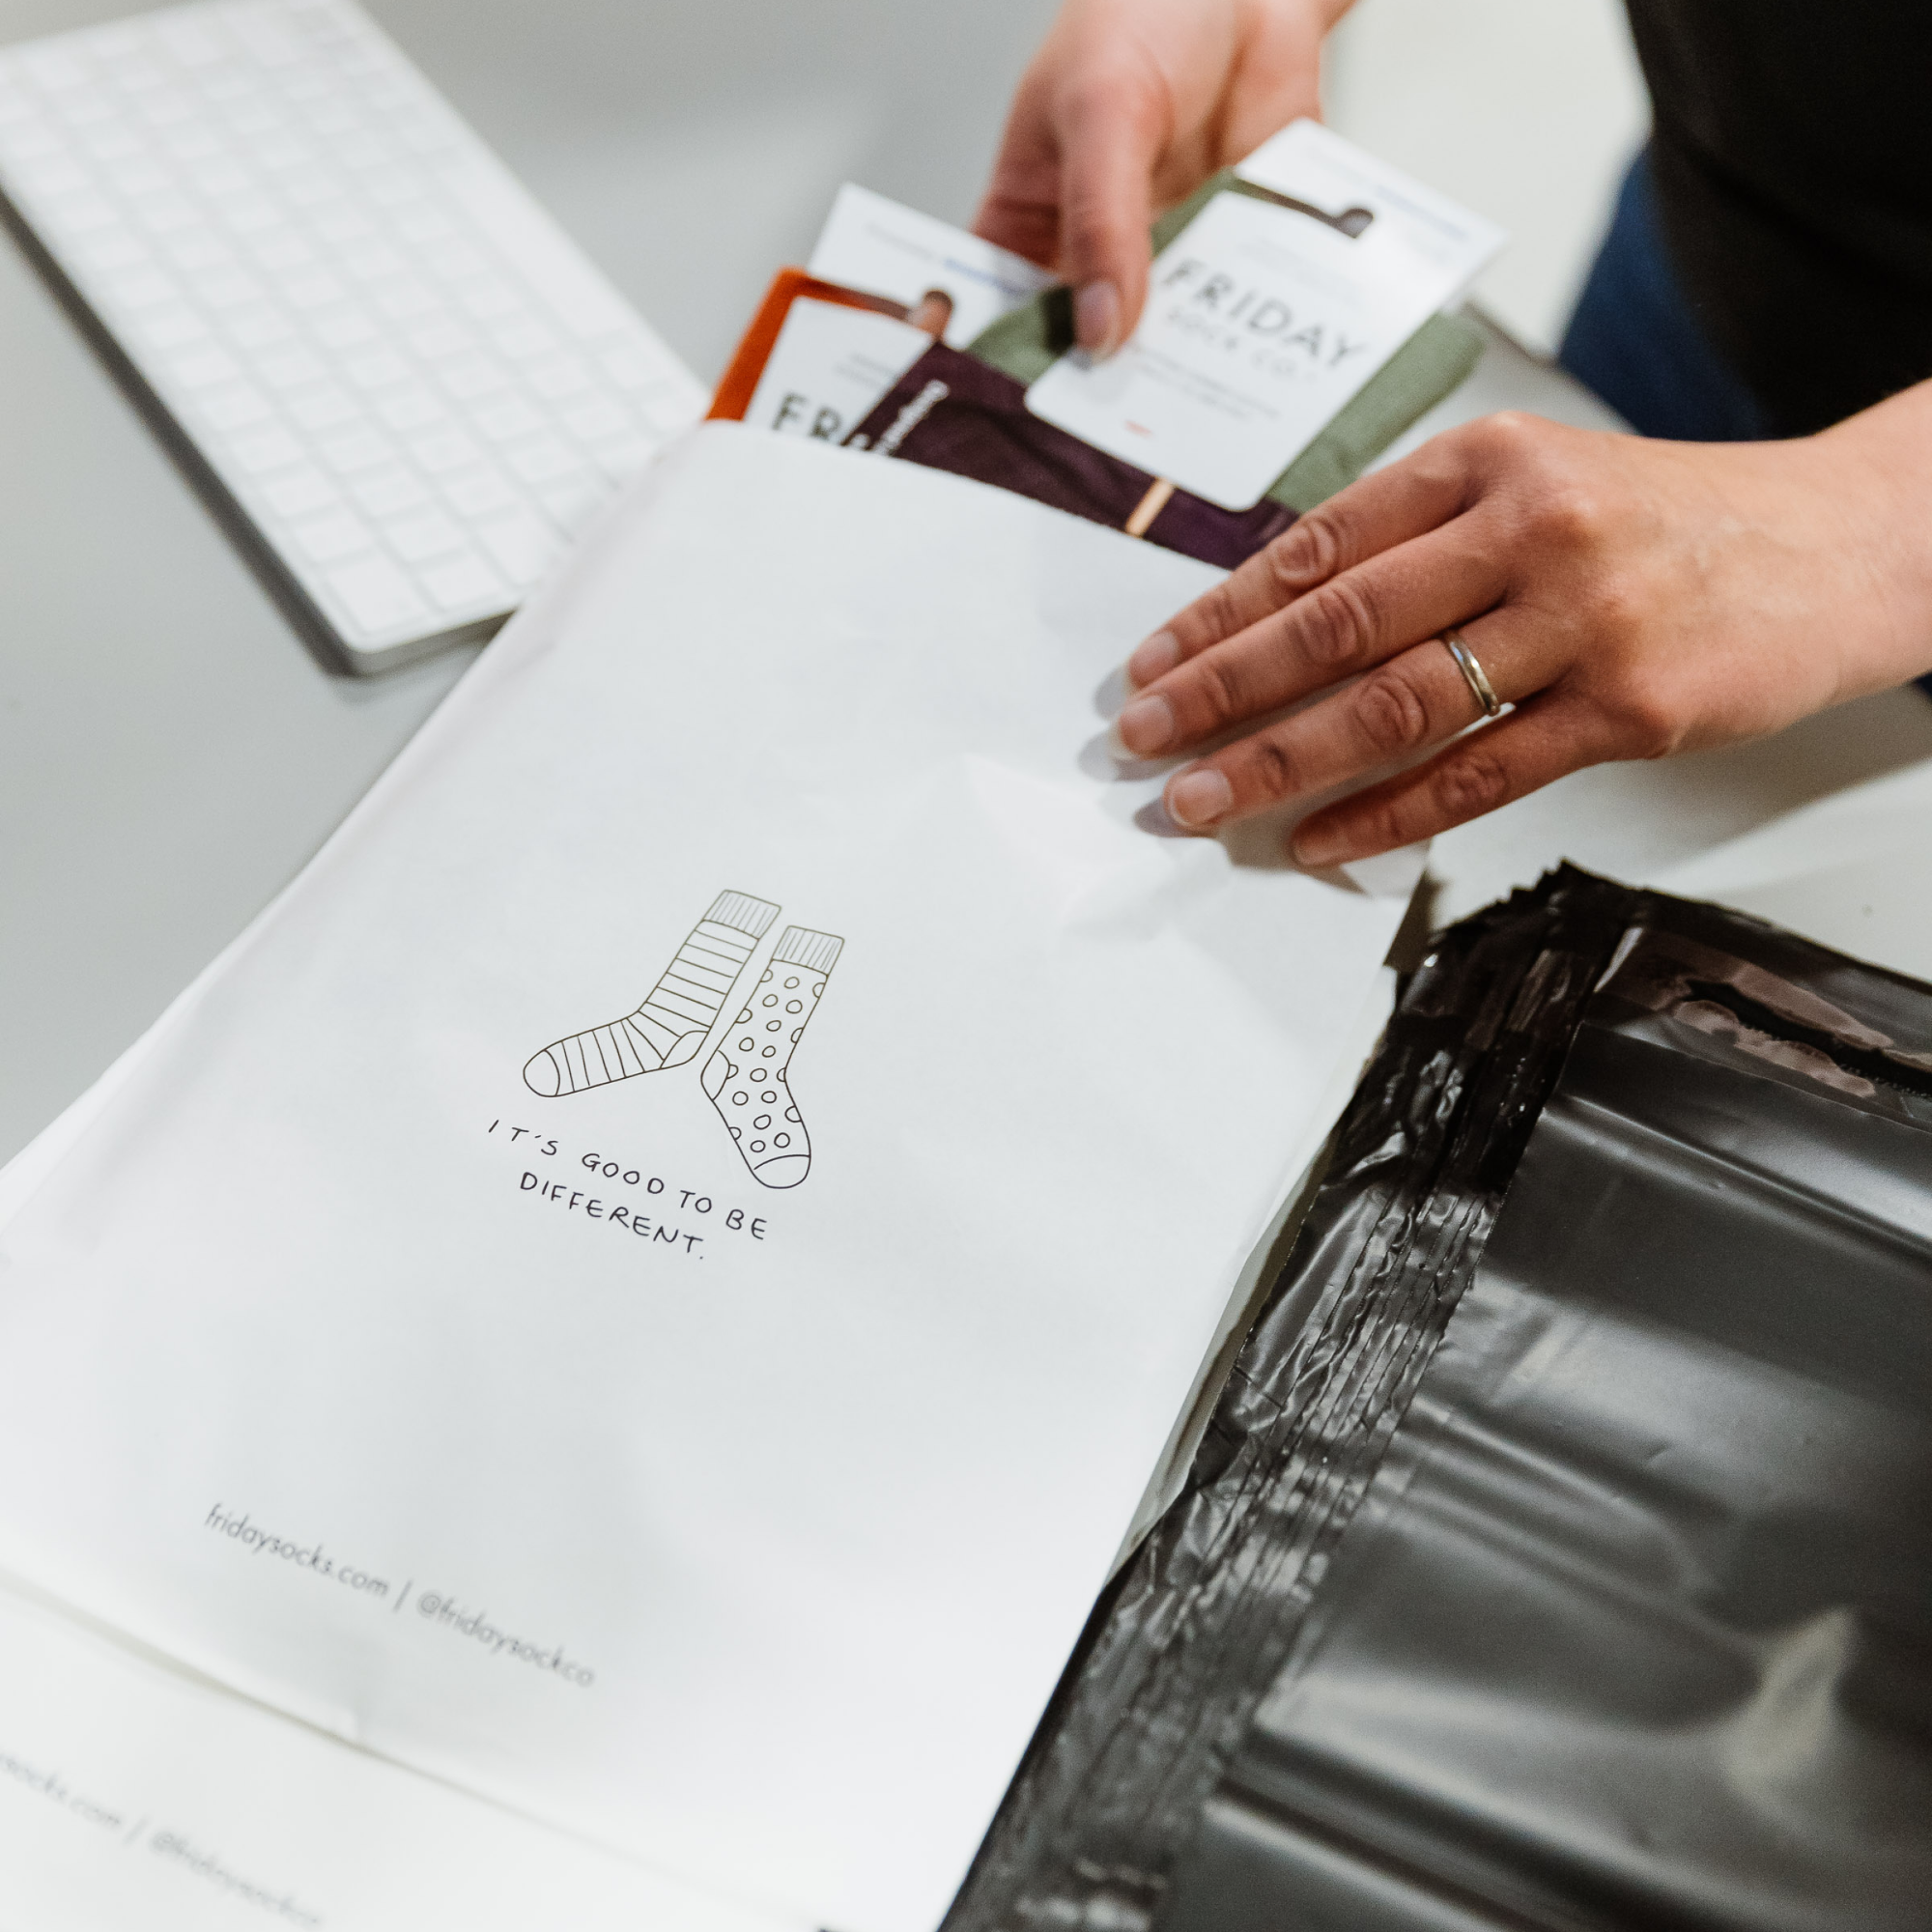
x=1318 y=847
x=1199 y=798
x=1097 y=315
x=1146 y=726
x=1153 y=659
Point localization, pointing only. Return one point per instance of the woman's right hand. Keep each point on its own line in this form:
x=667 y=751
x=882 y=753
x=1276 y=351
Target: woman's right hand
x=1128 y=106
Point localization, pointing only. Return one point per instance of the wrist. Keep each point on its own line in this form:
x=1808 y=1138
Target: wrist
x=1873 y=473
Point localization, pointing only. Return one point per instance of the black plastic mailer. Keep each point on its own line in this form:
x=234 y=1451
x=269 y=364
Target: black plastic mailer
x=1560 y=1554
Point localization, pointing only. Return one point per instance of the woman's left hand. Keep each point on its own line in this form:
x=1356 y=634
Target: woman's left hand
x=1627 y=598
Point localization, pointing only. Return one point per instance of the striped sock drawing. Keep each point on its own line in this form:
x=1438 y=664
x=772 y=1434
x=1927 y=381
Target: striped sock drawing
x=747 y=1075
x=677 y=1014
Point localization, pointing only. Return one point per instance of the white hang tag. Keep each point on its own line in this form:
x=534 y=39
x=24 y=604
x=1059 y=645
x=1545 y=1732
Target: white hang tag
x=1263 y=321
x=874 y=245
x=829 y=368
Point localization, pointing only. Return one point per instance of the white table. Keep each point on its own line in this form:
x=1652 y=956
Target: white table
x=170 y=756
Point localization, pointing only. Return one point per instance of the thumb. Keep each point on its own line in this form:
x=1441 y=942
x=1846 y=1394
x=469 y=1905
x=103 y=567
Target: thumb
x=1111 y=139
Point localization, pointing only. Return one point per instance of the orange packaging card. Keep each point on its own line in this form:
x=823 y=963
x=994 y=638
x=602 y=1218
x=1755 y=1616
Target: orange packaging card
x=747 y=362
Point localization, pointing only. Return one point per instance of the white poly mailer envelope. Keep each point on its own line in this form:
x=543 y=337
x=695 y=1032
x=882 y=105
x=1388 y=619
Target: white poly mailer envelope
x=133 y=1794
x=650 y=1284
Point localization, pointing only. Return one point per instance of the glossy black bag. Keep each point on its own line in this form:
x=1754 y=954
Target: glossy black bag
x=1559 y=1554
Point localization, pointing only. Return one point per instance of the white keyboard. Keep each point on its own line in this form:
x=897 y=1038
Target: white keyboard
x=392 y=375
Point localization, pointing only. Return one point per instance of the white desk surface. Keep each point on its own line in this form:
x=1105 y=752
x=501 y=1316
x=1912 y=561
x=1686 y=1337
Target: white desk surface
x=170 y=754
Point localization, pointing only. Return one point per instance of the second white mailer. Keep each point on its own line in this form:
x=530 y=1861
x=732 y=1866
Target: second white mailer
x=652 y=1282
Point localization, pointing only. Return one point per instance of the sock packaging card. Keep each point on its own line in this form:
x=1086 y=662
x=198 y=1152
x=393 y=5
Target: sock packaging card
x=887 y=249
x=1265 y=318
x=650 y=1284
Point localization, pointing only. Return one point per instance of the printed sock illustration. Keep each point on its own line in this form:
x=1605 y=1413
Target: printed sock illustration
x=677 y=1014
x=746 y=1076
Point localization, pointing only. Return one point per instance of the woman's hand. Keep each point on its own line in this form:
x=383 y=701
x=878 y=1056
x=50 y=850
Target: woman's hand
x=1630 y=599
x=1129 y=106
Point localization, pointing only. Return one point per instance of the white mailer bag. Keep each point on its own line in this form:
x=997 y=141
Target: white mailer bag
x=650 y=1284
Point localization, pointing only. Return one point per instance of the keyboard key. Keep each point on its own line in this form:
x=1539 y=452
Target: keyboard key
x=143 y=289
x=189 y=41
x=522 y=341
x=468 y=378
x=625 y=456
x=219 y=176
x=136 y=177
x=446 y=336
x=290 y=368
x=315 y=290
x=405 y=300
x=83 y=215
x=377 y=368
x=306 y=491
x=414 y=410
x=393 y=192
x=230 y=288
x=631 y=367
x=599 y=417
x=320 y=409
x=521 y=545
x=343 y=328
x=546 y=459
x=417 y=539
x=258 y=327
x=572 y=503
x=263 y=451
x=372 y=262
x=387 y=492
x=309 y=189
x=206 y=368
x=424 y=224
x=443 y=451
x=559 y=378
x=116 y=249
x=195 y=251
x=377 y=595
x=190 y=143
x=462 y=582
x=329 y=539
x=478 y=491
x=454 y=259
x=487 y=298
x=279 y=253
x=505 y=420
x=359 y=449
x=236 y=408
x=53 y=174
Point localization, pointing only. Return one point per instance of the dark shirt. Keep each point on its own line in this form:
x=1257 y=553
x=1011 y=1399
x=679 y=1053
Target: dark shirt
x=1792 y=154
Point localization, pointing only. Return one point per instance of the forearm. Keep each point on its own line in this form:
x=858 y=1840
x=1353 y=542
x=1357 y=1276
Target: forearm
x=1877 y=468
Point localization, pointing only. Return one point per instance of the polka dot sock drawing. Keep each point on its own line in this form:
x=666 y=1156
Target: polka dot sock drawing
x=677 y=1014
x=748 y=1075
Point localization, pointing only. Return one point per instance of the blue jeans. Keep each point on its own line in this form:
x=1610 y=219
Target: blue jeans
x=1636 y=339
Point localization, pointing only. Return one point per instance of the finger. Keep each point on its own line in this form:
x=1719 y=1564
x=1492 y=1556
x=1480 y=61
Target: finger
x=1021 y=208
x=1112 y=129
x=1351 y=623
x=1374 y=514
x=1547 y=738
x=1025 y=225
x=1416 y=699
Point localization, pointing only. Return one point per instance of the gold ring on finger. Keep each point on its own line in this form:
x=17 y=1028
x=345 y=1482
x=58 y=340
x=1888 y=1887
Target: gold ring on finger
x=1478 y=685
